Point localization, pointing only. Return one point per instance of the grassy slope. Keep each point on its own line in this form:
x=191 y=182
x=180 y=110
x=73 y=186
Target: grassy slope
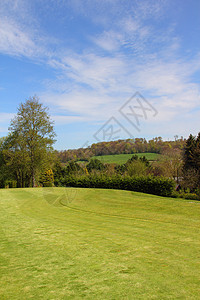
x=59 y=243
x=122 y=158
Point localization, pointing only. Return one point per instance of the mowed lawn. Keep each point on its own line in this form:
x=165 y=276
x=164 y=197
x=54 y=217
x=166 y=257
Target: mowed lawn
x=122 y=158
x=67 y=243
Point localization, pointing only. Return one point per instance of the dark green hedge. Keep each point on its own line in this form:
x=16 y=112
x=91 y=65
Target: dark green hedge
x=151 y=185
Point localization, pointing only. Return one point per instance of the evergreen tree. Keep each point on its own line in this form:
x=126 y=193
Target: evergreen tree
x=197 y=153
x=191 y=167
x=189 y=161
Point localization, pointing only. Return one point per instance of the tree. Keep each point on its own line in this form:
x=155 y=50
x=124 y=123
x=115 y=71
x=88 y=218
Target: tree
x=191 y=167
x=136 y=168
x=197 y=154
x=4 y=173
x=47 y=178
x=190 y=146
x=32 y=136
x=95 y=164
x=72 y=167
x=171 y=163
x=17 y=160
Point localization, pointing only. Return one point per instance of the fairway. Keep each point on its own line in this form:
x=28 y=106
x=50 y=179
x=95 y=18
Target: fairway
x=122 y=158
x=70 y=243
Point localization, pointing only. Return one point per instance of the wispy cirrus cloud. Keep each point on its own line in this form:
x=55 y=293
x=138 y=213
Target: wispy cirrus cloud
x=166 y=81
x=20 y=32
x=14 y=41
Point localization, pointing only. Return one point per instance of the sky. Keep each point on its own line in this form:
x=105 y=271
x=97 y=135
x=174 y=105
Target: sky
x=106 y=69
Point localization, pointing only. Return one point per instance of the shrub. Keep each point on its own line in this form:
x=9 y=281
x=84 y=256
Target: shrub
x=175 y=194
x=191 y=196
x=47 y=178
x=10 y=184
x=152 y=185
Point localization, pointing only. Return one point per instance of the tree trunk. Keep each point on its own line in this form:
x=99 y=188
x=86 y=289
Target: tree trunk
x=33 y=179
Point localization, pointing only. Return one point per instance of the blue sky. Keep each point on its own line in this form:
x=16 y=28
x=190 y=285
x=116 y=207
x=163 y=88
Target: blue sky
x=87 y=59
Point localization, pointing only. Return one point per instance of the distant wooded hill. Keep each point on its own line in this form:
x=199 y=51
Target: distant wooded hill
x=128 y=146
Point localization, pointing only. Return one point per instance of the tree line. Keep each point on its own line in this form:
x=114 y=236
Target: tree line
x=27 y=157
x=128 y=146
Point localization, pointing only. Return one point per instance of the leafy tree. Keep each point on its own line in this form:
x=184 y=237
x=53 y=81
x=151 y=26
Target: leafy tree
x=31 y=138
x=171 y=164
x=136 y=168
x=135 y=158
x=95 y=164
x=72 y=167
x=47 y=178
x=17 y=160
x=4 y=174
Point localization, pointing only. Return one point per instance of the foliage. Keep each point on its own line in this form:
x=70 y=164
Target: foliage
x=58 y=172
x=28 y=148
x=17 y=160
x=10 y=183
x=47 y=178
x=136 y=168
x=131 y=146
x=189 y=162
x=72 y=168
x=191 y=167
x=190 y=196
x=146 y=184
x=95 y=164
x=170 y=164
x=5 y=174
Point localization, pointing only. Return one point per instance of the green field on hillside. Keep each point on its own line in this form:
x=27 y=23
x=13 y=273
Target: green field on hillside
x=122 y=158
x=69 y=243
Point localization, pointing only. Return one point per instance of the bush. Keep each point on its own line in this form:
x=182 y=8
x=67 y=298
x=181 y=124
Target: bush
x=151 y=185
x=10 y=184
x=47 y=178
x=191 y=196
x=175 y=194
x=48 y=184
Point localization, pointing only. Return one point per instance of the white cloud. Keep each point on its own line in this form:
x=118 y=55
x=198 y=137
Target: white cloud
x=109 y=40
x=85 y=105
x=14 y=41
x=20 y=32
x=96 y=72
x=110 y=81
x=5 y=117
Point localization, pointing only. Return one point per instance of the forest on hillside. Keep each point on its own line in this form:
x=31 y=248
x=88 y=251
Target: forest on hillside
x=128 y=146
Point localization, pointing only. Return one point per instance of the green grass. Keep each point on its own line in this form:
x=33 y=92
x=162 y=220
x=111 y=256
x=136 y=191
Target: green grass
x=122 y=158
x=67 y=243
